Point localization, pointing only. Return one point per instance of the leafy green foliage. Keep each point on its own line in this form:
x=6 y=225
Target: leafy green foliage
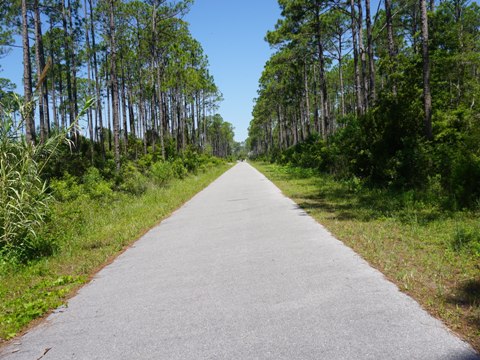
x=312 y=153
x=95 y=186
x=23 y=193
x=131 y=180
x=179 y=169
x=162 y=172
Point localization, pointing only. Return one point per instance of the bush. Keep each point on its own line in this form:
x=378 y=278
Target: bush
x=161 y=172
x=132 y=181
x=95 y=185
x=310 y=154
x=191 y=160
x=66 y=188
x=179 y=169
x=145 y=162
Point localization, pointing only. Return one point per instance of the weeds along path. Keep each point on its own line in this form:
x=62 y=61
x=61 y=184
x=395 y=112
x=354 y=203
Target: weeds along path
x=240 y=272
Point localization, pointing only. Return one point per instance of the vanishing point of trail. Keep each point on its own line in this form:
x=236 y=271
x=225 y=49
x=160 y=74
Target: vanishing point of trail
x=239 y=272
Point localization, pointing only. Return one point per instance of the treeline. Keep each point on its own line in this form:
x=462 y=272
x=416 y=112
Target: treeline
x=388 y=95
x=148 y=76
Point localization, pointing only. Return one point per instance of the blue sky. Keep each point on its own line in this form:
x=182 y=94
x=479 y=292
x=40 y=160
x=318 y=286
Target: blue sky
x=231 y=33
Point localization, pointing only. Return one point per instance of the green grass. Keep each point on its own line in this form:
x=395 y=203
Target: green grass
x=431 y=254
x=88 y=234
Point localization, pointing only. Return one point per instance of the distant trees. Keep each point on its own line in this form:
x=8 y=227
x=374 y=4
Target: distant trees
x=221 y=135
x=392 y=94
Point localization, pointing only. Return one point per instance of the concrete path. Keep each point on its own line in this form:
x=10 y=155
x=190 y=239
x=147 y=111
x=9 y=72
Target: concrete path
x=238 y=273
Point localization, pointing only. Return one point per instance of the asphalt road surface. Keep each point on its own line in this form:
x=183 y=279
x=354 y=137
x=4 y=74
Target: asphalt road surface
x=239 y=272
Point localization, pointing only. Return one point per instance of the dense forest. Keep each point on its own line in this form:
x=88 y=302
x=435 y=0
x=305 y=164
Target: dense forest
x=388 y=96
x=116 y=95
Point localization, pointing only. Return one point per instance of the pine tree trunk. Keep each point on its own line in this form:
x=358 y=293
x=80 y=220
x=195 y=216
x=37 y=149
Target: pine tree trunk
x=363 y=58
x=322 y=79
x=340 y=74
x=307 y=96
x=54 y=100
x=427 y=97
x=113 y=77
x=73 y=61
x=161 y=113
x=41 y=85
x=131 y=113
x=371 y=60
x=28 y=117
x=90 y=90
x=98 y=110
x=391 y=42
x=358 y=87
x=67 y=50
x=124 y=110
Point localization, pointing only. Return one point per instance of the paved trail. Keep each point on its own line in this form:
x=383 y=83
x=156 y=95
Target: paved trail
x=240 y=273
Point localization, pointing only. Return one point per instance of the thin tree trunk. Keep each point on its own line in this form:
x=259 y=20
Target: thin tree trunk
x=363 y=59
x=358 y=87
x=73 y=61
x=391 y=42
x=307 y=96
x=27 y=79
x=124 y=110
x=98 y=111
x=204 y=121
x=114 y=80
x=194 y=131
x=323 y=80
x=152 y=121
x=67 y=48
x=340 y=74
x=41 y=85
x=143 y=119
x=131 y=115
x=371 y=60
x=54 y=100
x=63 y=113
x=427 y=97
x=160 y=105
x=90 y=90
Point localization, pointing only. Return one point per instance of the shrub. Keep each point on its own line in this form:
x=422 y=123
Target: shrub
x=95 y=185
x=145 y=162
x=310 y=154
x=65 y=188
x=161 y=172
x=132 y=181
x=179 y=169
x=191 y=160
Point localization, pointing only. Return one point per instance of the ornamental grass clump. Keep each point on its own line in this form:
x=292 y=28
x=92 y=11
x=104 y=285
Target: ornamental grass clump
x=23 y=194
x=24 y=199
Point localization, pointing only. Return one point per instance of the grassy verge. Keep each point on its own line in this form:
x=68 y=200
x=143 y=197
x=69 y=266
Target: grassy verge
x=430 y=254
x=88 y=233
